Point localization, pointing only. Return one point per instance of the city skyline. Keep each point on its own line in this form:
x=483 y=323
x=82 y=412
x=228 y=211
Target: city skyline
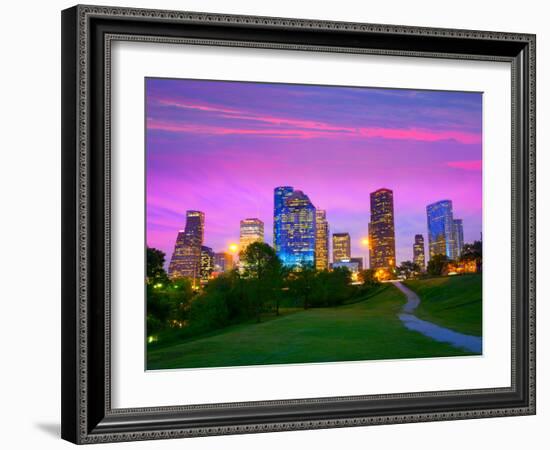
x=294 y=210
x=221 y=147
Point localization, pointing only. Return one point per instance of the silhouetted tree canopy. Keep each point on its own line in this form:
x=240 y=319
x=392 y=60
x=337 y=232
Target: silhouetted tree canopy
x=436 y=264
x=155 y=266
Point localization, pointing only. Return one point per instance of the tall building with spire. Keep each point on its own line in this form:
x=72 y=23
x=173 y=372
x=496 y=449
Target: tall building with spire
x=251 y=230
x=419 y=256
x=295 y=242
x=443 y=230
x=341 y=247
x=186 y=258
x=321 y=240
x=381 y=230
x=280 y=194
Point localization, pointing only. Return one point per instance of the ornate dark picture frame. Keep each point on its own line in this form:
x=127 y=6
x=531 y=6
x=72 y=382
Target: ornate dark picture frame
x=87 y=34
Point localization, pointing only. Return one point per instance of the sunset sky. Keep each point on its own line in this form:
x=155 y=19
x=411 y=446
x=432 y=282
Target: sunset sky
x=222 y=147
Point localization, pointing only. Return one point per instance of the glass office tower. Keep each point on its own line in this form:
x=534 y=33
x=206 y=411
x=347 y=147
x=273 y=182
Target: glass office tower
x=207 y=263
x=297 y=228
x=186 y=258
x=251 y=230
x=281 y=193
x=419 y=256
x=459 y=236
x=381 y=230
x=321 y=240
x=341 y=247
x=441 y=229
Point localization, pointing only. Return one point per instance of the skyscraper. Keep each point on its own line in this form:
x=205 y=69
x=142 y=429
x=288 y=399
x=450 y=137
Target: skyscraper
x=441 y=229
x=251 y=230
x=186 y=259
x=296 y=239
x=419 y=257
x=321 y=240
x=281 y=193
x=459 y=236
x=381 y=230
x=207 y=263
x=223 y=262
x=341 y=247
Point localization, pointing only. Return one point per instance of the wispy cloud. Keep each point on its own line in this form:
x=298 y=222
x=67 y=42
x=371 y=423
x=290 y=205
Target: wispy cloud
x=299 y=129
x=177 y=127
x=235 y=114
x=474 y=165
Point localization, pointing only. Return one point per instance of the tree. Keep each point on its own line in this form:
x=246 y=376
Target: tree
x=436 y=264
x=303 y=281
x=408 y=269
x=339 y=286
x=168 y=304
x=368 y=277
x=263 y=269
x=180 y=293
x=155 y=266
x=473 y=252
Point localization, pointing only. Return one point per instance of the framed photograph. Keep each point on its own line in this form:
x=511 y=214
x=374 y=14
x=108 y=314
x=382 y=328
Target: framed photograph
x=280 y=224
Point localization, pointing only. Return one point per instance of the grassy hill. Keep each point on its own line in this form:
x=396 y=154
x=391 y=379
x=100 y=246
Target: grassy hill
x=365 y=330
x=452 y=302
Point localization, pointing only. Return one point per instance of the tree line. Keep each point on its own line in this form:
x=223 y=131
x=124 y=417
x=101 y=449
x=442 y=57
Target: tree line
x=438 y=264
x=261 y=287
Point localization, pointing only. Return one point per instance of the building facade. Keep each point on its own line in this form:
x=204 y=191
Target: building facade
x=353 y=265
x=281 y=193
x=207 y=264
x=359 y=261
x=251 y=230
x=419 y=257
x=321 y=240
x=223 y=262
x=296 y=239
x=381 y=230
x=186 y=258
x=441 y=229
x=459 y=236
x=341 y=247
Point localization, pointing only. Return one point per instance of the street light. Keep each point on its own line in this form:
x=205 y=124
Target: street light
x=234 y=250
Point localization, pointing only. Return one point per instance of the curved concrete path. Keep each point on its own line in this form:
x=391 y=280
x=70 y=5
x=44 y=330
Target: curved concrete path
x=436 y=332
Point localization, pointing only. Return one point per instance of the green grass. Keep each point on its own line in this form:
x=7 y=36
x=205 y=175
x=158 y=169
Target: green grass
x=364 y=330
x=453 y=302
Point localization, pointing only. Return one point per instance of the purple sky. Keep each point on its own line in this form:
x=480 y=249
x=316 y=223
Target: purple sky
x=221 y=148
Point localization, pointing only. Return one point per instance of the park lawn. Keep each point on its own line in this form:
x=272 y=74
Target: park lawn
x=365 y=330
x=453 y=302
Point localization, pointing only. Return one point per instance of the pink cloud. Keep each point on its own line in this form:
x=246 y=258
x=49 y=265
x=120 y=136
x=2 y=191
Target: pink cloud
x=474 y=165
x=235 y=114
x=315 y=130
x=199 y=107
x=417 y=134
x=224 y=131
